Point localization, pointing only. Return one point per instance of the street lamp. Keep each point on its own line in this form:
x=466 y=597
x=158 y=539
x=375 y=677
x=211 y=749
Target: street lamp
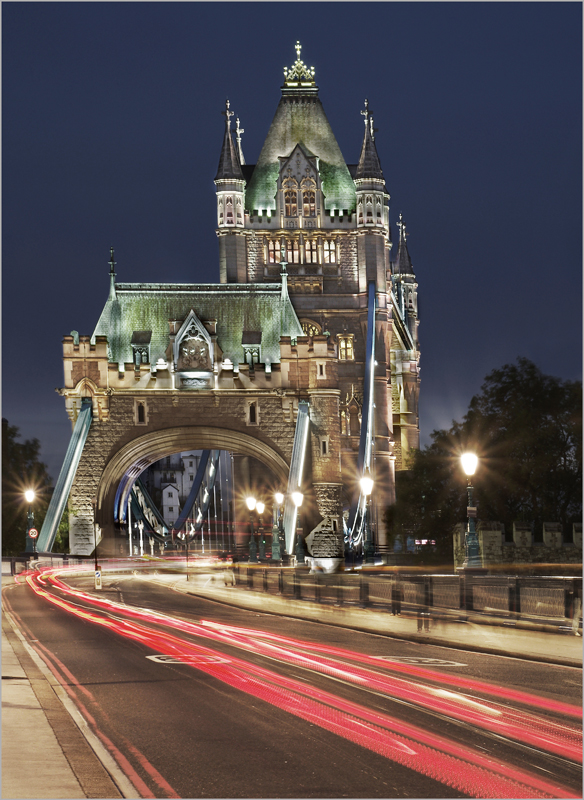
x=260 y=509
x=277 y=528
x=29 y=497
x=366 y=483
x=472 y=553
x=251 y=504
x=97 y=577
x=297 y=498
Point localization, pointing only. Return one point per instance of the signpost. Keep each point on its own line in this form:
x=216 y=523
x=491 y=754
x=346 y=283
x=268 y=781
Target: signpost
x=33 y=533
x=97 y=576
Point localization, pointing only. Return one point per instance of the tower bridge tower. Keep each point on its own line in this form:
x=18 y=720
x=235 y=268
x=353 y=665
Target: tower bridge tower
x=303 y=237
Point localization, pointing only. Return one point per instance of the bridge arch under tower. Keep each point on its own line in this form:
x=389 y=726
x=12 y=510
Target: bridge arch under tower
x=135 y=456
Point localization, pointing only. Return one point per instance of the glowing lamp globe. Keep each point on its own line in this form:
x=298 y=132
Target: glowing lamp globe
x=251 y=502
x=298 y=497
x=366 y=483
x=279 y=497
x=469 y=463
x=260 y=507
x=29 y=494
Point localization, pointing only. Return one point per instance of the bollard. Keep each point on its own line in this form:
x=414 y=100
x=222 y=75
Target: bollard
x=265 y=580
x=249 y=578
x=340 y=591
x=281 y=582
x=297 y=587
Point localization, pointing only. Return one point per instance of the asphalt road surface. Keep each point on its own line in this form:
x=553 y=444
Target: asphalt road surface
x=197 y=699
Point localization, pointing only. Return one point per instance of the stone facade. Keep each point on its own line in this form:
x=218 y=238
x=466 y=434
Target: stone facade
x=302 y=235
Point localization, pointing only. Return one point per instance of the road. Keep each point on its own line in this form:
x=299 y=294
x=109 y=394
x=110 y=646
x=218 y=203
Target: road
x=198 y=699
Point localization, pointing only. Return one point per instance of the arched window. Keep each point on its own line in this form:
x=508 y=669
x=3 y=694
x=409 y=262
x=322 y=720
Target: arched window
x=310 y=328
x=290 y=187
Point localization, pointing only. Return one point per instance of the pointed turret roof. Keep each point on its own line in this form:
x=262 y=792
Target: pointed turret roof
x=300 y=119
x=369 y=166
x=403 y=262
x=229 y=164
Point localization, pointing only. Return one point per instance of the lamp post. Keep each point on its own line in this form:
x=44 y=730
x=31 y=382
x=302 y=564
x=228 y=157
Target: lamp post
x=251 y=504
x=141 y=529
x=367 y=487
x=472 y=558
x=277 y=528
x=29 y=497
x=97 y=581
x=260 y=509
x=298 y=497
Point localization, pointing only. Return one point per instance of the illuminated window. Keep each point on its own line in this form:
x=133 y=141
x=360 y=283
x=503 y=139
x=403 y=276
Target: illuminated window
x=346 y=347
x=290 y=187
x=329 y=251
x=310 y=252
x=292 y=251
x=310 y=328
x=274 y=252
x=308 y=197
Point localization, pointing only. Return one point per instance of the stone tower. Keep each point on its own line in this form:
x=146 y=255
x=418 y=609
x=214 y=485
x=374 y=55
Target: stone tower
x=332 y=221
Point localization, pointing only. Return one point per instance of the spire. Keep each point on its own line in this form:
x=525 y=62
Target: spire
x=404 y=262
x=229 y=164
x=238 y=132
x=369 y=166
x=112 y=273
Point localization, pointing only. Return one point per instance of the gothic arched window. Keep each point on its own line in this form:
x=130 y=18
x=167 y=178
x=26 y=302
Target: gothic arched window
x=290 y=187
x=308 y=197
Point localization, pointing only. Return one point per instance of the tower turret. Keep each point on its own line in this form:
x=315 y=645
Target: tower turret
x=230 y=192
x=405 y=284
x=372 y=211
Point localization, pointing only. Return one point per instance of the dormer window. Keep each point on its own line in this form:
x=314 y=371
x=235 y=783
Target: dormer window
x=308 y=197
x=141 y=347
x=290 y=187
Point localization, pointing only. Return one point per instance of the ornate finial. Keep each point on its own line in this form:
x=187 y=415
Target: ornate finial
x=238 y=132
x=402 y=228
x=366 y=112
x=372 y=128
x=111 y=262
x=299 y=72
x=228 y=114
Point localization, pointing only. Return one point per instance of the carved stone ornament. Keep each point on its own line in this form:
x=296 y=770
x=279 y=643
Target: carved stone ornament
x=193 y=352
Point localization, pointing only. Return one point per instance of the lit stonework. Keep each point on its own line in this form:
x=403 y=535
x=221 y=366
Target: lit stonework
x=172 y=367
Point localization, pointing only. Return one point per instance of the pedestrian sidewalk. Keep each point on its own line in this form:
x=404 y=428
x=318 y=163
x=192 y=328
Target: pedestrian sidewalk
x=476 y=633
x=46 y=747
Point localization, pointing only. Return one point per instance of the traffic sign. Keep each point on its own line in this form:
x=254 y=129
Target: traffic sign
x=33 y=533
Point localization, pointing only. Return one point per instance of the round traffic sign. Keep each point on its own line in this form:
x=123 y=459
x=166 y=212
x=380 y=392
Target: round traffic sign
x=33 y=533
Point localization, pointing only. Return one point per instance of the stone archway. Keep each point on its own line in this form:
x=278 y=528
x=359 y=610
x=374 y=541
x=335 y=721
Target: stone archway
x=138 y=454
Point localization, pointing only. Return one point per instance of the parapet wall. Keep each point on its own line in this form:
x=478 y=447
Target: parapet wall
x=558 y=546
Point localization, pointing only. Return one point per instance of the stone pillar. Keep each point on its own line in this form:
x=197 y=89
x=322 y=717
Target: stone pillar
x=552 y=534
x=328 y=543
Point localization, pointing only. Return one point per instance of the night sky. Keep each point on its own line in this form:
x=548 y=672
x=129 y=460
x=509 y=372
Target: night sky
x=112 y=131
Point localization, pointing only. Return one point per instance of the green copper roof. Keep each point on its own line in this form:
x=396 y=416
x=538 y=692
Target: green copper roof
x=237 y=308
x=300 y=119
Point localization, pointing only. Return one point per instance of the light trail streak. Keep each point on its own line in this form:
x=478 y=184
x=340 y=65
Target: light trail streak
x=437 y=757
x=521 y=726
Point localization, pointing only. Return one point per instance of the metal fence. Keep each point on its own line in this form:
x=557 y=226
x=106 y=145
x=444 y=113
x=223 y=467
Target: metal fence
x=537 y=598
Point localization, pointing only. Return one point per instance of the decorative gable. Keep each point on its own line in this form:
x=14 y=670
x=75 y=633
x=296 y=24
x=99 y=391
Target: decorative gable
x=193 y=354
x=299 y=189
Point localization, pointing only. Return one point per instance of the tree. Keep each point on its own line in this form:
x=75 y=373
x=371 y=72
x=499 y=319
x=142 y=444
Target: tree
x=526 y=428
x=21 y=470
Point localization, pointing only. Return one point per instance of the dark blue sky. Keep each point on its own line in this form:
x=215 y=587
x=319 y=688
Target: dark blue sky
x=112 y=130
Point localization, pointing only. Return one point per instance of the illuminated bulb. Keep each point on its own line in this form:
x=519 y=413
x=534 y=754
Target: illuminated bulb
x=298 y=497
x=469 y=463
x=260 y=507
x=251 y=502
x=29 y=494
x=279 y=497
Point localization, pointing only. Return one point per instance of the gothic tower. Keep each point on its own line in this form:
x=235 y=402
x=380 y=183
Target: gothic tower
x=330 y=219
